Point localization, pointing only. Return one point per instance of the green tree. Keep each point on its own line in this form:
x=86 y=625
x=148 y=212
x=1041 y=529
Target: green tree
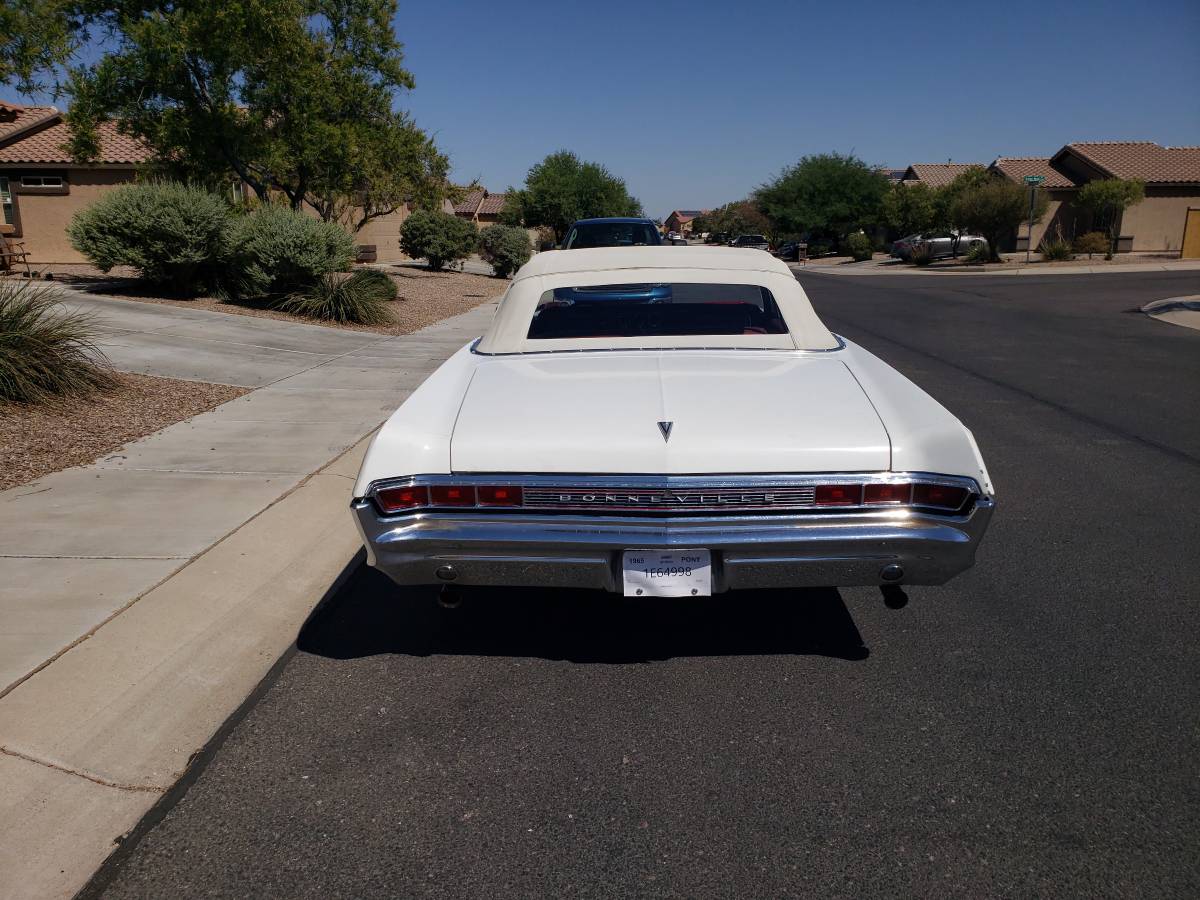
x=562 y=188
x=911 y=208
x=505 y=247
x=828 y=195
x=740 y=217
x=1107 y=199
x=992 y=207
x=35 y=40
x=289 y=96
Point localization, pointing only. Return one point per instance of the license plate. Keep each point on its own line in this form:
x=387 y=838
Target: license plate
x=667 y=573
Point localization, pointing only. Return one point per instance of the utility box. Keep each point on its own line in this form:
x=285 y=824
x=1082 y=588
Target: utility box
x=366 y=253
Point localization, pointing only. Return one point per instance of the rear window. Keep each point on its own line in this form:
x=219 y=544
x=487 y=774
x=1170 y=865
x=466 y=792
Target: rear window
x=655 y=310
x=611 y=234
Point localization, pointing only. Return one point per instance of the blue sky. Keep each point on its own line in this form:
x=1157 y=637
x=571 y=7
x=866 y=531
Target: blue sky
x=695 y=104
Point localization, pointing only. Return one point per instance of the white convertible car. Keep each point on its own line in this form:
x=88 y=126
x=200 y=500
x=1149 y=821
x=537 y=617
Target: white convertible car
x=669 y=421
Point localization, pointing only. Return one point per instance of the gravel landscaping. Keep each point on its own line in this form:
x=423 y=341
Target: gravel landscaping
x=38 y=440
x=425 y=297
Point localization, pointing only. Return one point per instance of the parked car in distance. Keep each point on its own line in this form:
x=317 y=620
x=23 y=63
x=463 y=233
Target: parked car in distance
x=612 y=232
x=755 y=241
x=718 y=237
x=940 y=243
x=668 y=422
x=788 y=251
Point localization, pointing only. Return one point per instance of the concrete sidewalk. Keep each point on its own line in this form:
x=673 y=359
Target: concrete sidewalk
x=145 y=596
x=82 y=544
x=882 y=267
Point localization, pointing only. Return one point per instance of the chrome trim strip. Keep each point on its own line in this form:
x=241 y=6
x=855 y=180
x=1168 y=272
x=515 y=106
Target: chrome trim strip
x=840 y=340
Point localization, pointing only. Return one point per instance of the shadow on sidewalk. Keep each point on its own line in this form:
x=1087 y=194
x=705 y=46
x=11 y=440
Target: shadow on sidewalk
x=370 y=615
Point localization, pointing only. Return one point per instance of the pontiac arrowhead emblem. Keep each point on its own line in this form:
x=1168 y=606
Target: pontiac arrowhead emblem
x=665 y=428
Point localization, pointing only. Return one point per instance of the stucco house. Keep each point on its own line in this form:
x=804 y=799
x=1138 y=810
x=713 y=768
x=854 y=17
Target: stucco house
x=680 y=220
x=1157 y=224
x=481 y=207
x=41 y=187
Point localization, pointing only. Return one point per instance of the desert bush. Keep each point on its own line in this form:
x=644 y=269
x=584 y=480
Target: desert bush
x=921 y=255
x=45 y=350
x=437 y=237
x=174 y=235
x=1092 y=242
x=379 y=282
x=505 y=247
x=858 y=245
x=978 y=253
x=276 y=250
x=359 y=299
x=1055 y=249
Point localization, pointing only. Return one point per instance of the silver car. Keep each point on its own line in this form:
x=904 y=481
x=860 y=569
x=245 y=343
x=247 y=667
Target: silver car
x=940 y=244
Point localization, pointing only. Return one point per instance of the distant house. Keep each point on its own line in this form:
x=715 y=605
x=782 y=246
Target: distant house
x=1157 y=224
x=894 y=175
x=41 y=187
x=681 y=220
x=936 y=174
x=481 y=207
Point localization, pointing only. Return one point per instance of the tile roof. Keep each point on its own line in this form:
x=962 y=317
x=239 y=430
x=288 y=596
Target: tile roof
x=938 y=174
x=686 y=214
x=492 y=205
x=16 y=117
x=1015 y=168
x=1146 y=160
x=480 y=202
x=45 y=145
x=469 y=203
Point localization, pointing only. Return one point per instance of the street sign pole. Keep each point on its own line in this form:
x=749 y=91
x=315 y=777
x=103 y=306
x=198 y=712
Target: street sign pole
x=1033 y=181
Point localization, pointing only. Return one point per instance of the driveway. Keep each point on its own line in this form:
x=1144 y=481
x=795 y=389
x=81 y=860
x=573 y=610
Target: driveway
x=82 y=544
x=1028 y=730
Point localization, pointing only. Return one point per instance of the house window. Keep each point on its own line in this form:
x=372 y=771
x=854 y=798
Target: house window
x=6 y=204
x=41 y=181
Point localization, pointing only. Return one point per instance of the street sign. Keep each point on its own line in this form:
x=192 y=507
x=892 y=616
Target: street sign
x=1034 y=179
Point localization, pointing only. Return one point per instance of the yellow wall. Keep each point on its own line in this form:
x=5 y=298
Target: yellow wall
x=44 y=217
x=1157 y=222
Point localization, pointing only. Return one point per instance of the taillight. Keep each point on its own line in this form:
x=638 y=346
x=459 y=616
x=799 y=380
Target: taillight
x=500 y=496
x=939 y=496
x=838 y=495
x=397 y=499
x=452 y=495
x=896 y=493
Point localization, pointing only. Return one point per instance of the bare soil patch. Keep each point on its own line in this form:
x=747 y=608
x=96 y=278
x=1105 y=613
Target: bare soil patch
x=38 y=440
x=424 y=297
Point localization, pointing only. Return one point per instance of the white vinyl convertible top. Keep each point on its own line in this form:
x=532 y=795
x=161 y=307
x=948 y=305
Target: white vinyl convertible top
x=658 y=265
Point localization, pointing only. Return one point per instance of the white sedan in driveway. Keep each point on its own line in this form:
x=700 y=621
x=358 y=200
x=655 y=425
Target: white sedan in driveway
x=666 y=422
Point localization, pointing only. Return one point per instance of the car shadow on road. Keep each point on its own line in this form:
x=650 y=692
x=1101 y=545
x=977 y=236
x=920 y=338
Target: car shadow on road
x=370 y=616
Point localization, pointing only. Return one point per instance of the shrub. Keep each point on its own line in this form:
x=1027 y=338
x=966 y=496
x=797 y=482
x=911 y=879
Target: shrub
x=174 y=235
x=359 y=299
x=438 y=237
x=505 y=247
x=978 y=253
x=379 y=282
x=1092 y=242
x=921 y=254
x=45 y=351
x=276 y=250
x=858 y=245
x=1055 y=249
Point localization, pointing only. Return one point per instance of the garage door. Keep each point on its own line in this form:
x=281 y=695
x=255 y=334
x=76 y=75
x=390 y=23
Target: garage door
x=1191 y=235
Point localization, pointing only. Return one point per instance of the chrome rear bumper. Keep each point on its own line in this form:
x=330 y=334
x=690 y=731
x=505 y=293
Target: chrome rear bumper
x=519 y=549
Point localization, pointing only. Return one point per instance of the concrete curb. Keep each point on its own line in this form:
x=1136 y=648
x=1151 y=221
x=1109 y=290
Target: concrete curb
x=1184 y=311
x=90 y=744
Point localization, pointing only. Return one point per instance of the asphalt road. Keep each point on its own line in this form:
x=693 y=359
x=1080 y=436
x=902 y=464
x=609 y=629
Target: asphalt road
x=1030 y=729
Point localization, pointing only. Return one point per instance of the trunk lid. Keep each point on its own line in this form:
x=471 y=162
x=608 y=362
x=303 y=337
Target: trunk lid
x=731 y=412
